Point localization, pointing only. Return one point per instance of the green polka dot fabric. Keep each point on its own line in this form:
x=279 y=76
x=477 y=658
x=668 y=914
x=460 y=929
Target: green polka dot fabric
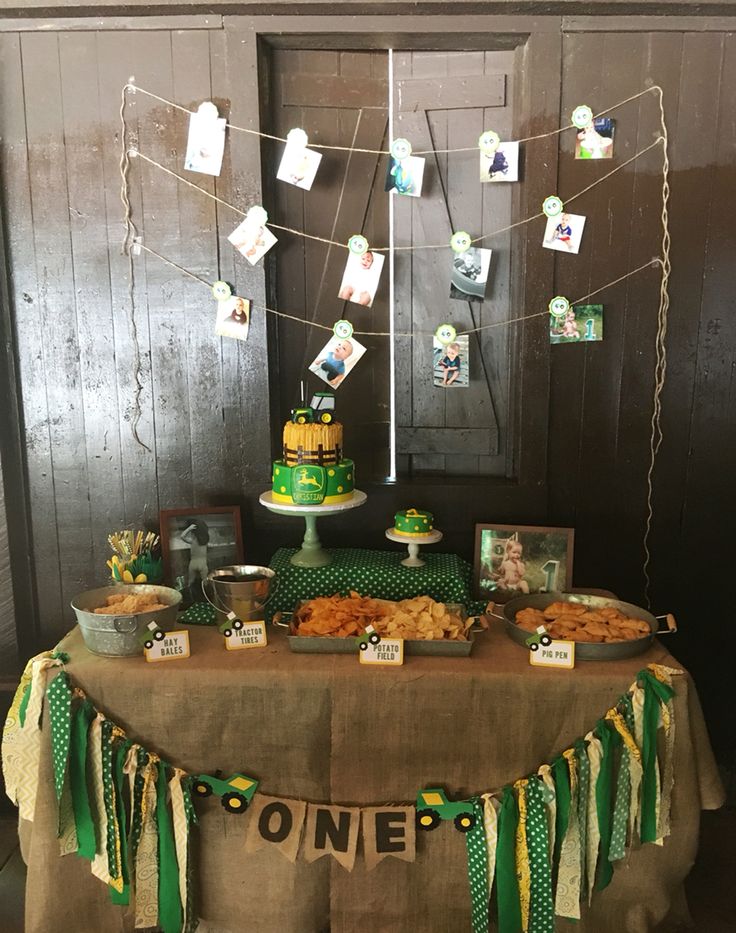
x=59 y=695
x=199 y=614
x=541 y=911
x=444 y=577
x=475 y=841
x=109 y=796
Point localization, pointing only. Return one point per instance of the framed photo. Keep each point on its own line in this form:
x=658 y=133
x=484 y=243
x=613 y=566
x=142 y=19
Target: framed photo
x=514 y=560
x=197 y=541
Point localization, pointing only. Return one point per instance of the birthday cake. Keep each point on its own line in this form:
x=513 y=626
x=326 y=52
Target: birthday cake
x=312 y=470
x=413 y=523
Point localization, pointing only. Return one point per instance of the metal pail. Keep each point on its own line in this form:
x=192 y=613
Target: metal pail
x=242 y=589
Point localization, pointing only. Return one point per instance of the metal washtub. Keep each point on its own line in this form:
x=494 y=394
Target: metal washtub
x=117 y=635
x=590 y=651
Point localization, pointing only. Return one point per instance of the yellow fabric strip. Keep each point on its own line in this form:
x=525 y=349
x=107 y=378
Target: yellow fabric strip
x=593 y=836
x=181 y=835
x=490 y=824
x=523 y=871
x=146 y=863
x=567 y=893
x=100 y=865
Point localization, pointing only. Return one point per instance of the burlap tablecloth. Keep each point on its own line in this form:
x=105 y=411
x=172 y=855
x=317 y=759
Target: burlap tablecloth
x=325 y=728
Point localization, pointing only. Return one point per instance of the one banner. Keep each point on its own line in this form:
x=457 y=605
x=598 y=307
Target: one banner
x=332 y=831
x=275 y=821
x=388 y=831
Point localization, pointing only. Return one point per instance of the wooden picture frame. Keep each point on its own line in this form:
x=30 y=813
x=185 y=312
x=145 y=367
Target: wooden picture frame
x=218 y=544
x=502 y=572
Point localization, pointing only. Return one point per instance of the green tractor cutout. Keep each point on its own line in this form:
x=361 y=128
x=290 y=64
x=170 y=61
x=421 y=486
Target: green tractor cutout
x=370 y=636
x=321 y=410
x=433 y=807
x=151 y=633
x=540 y=637
x=235 y=793
x=231 y=624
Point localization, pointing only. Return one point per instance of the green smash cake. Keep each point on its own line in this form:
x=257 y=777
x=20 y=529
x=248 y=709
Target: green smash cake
x=413 y=523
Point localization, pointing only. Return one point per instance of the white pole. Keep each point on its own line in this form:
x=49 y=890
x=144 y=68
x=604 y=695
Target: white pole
x=391 y=297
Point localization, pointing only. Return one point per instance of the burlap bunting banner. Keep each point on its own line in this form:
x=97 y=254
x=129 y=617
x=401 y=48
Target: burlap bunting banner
x=332 y=831
x=275 y=821
x=388 y=831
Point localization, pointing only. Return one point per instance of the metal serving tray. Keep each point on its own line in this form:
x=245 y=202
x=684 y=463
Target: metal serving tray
x=314 y=644
x=590 y=651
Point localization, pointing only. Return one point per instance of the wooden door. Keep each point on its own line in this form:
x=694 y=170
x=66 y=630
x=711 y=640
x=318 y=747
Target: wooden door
x=338 y=98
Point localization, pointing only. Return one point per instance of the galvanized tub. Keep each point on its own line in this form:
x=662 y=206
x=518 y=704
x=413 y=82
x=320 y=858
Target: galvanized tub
x=587 y=650
x=116 y=636
x=315 y=644
x=242 y=589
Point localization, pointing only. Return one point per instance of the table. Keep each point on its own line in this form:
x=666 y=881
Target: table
x=325 y=728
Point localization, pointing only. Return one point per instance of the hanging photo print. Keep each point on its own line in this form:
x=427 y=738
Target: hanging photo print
x=337 y=359
x=405 y=176
x=595 y=141
x=470 y=274
x=578 y=324
x=500 y=165
x=564 y=232
x=298 y=164
x=360 y=278
x=233 y=318
x=252 y=238
x=206 y=140
x=450 y=362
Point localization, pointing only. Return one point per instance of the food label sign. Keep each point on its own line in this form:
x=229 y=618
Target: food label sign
x=173 y=647
x=556 y=654
x=387 y=651
x=251 y=635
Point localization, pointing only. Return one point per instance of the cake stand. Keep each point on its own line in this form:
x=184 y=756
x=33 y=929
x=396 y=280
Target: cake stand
x=311 y=553
x=413 y=543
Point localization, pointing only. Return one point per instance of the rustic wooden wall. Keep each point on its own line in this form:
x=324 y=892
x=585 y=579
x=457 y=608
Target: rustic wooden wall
x=206 y=403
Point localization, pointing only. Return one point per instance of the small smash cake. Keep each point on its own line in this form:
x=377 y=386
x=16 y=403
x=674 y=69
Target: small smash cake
x=413 y=523
x=312 y=470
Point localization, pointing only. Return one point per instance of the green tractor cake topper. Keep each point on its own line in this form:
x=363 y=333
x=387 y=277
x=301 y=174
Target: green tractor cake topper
x=321 y=410
x=433 y=807
x=235 y=792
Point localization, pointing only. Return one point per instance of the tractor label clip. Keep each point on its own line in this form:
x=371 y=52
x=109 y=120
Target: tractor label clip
x=174 y=646
x=555 y=654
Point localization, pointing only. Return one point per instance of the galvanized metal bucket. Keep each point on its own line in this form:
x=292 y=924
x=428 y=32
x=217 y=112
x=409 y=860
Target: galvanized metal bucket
x=117 y=635
x=241 y=589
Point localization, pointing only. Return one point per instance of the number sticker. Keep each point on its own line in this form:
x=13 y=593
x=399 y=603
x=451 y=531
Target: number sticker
x=358 y=244
x=400 y=149
x=343 y=330
x=552 y=206
x=222 y=291
x=582 y=116
x=445 y=333
x=460 y=241
x=489 y=142
x=559 y=306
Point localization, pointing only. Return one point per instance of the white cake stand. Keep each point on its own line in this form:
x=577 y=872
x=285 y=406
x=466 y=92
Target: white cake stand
x=413 y=543
x=311 y=553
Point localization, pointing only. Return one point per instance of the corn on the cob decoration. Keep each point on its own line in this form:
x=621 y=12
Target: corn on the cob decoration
x=132 y=559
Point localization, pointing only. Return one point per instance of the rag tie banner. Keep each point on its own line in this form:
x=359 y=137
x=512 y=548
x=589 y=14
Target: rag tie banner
x=544 y=843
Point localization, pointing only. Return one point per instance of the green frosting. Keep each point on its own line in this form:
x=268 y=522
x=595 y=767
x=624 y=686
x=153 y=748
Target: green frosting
x=413 y=522
x=313 y=485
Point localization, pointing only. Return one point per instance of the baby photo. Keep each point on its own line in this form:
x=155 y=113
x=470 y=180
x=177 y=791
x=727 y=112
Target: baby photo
x=450 y=363
x=470 y=274
x=360 y=278
x=405 y=176
x=299 y=166
x=337 y=359
x=233 y=318
x=518 y=561
x=502 y=165
x=252 y=240
x=596 y=140
x=564 y=232
x=578 y=324
x=206 y=141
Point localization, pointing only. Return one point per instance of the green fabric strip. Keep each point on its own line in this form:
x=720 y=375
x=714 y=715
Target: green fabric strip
x=109 y=797
x=654 y=693
x=561 y=777
x=507 y=886
x=82 y=717
x=169 y=900
x=24 y=705
x=475 y=842
x=122 y=897
x=59 y=695
x=581 y=756
x=137 y=802
x=191 y=921
x=610 y=741
x=542 y=913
